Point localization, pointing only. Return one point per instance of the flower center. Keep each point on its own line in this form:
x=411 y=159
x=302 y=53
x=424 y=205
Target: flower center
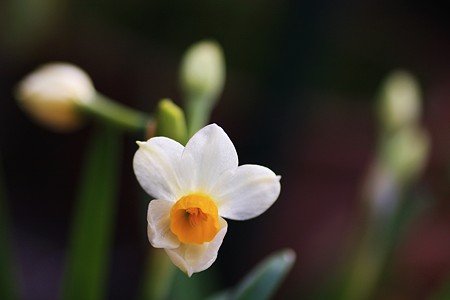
x=194 y=219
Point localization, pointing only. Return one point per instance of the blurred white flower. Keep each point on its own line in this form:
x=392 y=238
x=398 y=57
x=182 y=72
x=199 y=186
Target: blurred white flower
x=195 y=188
x=50 y=95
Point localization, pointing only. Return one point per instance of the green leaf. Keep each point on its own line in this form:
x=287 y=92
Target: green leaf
x=87 y=260
x=262 y=282
x=7 y=285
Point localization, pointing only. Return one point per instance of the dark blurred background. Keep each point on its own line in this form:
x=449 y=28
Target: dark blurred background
x=302 y=77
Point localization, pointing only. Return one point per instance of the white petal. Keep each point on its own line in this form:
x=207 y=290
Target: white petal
x=247 y=192
x=158 y=229
x=192 y=258
x=208 y=154
x=155 y=165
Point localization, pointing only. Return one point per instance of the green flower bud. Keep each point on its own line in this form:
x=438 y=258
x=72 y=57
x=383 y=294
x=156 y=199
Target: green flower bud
x=399 y=103
x=170 y=121
x=203 y=70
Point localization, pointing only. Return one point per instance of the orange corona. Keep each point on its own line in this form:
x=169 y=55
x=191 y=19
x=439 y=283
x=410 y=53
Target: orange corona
x=194 y=219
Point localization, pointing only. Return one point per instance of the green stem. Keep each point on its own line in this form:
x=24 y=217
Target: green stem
x=159 y=276
x=198 y=111
x=370 y=265
x=366 y=266
x=116 y=114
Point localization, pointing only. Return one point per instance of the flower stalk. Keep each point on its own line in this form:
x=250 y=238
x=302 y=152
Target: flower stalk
x=159 y=276
x=198 y=111
x=202 y=77
x=114 y=113
x=58 y=95
x=388 y=205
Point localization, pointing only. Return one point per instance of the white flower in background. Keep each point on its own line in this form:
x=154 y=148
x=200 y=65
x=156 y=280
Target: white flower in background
x=195 y=188
x=50 y=95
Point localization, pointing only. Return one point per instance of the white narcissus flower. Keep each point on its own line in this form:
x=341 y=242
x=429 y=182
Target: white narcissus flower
x=195 y=188
x=50 y=95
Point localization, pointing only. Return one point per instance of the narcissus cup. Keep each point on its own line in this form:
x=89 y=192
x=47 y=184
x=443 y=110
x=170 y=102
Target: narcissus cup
x=196 y=187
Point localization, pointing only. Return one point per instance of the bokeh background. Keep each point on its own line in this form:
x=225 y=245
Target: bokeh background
x=302 y=77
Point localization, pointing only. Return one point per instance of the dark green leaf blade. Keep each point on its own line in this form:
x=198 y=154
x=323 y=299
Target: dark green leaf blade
x=87 y=261
x=262 y=282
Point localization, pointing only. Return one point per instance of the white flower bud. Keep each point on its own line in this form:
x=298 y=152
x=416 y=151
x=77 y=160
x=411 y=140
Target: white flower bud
x=203 y=70
x=400 y=101
x=50 y=95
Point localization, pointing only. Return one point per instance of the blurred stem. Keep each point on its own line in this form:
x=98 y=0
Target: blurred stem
x=159 y=277
x=370 y=264
x=7 y=291
x=116 y=114
x=87 y=260
x=366 y=266
x=443 y=292
x=198 y=111
x=160 y=272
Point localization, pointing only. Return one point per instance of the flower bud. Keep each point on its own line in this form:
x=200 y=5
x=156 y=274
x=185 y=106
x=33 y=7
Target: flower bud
x=399 y=103
x=170 y=121
x=203 y=70
x=51 y=93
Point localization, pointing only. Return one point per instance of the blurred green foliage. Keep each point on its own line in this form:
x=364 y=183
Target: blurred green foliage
x=93 y=224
